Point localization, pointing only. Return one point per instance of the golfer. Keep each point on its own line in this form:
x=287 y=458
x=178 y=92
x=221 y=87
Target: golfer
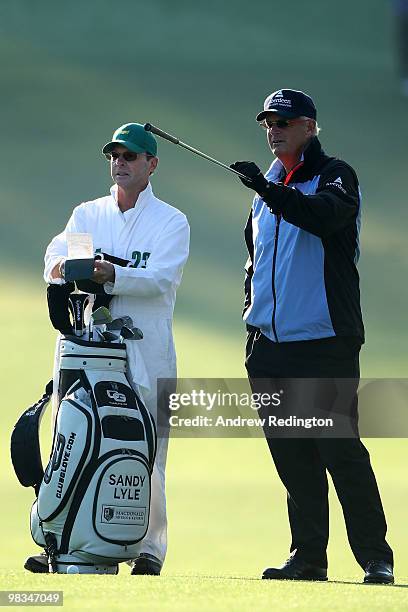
x=303 y=315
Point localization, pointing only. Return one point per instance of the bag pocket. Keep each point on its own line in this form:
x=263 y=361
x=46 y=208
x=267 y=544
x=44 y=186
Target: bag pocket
x=109 y=514
x=70 y=455
x=122 y=499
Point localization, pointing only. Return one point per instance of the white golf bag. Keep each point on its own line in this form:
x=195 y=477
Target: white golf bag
x=93 y=503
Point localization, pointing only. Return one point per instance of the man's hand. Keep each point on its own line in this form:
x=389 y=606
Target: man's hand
x=58 y=269
x=273 y=195
x=104 y=272
x=256 y=181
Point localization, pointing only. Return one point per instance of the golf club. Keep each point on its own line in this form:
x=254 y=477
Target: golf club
x=120 y=322
x=138 y=333
x=100 y=334
x=77 y=304
x=126 y=334
x=109 y=336
x=91 y=329
x=101 y=316
x=155 y=130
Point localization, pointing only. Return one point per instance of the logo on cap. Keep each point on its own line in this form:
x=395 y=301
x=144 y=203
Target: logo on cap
x=279 y=102
x=123 y=132
x=289 y=103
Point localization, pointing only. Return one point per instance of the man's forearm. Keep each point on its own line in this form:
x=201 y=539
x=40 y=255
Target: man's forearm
x=56 y=272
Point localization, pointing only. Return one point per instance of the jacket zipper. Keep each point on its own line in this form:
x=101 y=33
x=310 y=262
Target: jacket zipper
x=275 y=252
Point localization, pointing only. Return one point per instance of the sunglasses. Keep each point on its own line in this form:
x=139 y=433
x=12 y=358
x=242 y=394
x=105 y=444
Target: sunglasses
x=128 y=156
x=281 y=123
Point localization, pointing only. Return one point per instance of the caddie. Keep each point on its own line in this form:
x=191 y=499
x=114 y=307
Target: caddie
x=131 y=223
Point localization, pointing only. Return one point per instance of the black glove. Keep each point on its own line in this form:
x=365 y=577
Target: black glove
x=256 y=179
x=273 y=195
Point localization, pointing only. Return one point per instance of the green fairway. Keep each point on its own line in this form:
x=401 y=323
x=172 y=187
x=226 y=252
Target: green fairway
x=226 y=507
x=202 y=71
x=74 y=72
x=218 y=593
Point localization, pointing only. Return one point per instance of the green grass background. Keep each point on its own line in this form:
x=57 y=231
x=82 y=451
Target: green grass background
x=70 y=75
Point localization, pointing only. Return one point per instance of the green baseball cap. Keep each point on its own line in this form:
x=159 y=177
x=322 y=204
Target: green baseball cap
x=134 y=137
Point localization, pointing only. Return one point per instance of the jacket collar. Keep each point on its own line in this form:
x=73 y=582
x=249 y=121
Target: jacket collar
x=313 y=157
x=144 y=197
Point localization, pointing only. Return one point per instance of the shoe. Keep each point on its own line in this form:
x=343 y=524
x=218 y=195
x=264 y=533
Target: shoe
x=295 y=569
x=146 y=564
x=38 y=564
x=378 y=572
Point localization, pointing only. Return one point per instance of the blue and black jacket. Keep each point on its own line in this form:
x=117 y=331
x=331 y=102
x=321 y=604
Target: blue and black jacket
x=301 y=278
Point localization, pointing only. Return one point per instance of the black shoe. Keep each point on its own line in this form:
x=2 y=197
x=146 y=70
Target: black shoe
x=38 y=564
x=378 y=572
x=146 y=564
x=295 y=569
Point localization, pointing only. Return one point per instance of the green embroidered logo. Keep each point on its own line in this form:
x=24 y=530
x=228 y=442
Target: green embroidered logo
x=140 y=259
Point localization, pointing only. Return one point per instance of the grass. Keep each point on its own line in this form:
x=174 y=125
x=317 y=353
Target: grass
x=200 y=70
x=226 y=506
x=216 y=593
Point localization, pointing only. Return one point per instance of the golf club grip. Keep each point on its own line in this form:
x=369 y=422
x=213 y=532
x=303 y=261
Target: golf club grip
x=155 y=130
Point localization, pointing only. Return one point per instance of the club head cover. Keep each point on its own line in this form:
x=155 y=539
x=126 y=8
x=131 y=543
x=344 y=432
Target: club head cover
x=58 y=310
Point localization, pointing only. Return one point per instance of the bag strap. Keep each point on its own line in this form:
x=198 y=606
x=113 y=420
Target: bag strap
x=25 y=443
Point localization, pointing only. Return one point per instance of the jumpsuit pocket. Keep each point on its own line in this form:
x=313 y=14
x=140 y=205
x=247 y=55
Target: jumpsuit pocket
x=157 y=339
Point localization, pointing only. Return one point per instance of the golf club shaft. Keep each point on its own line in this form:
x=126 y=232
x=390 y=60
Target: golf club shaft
x=155 y=130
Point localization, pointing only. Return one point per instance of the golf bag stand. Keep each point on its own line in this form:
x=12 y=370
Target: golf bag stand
x=92 y=508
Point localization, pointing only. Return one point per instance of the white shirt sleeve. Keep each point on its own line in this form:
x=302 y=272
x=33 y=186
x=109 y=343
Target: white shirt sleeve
x=164 y=266
x=57 y=250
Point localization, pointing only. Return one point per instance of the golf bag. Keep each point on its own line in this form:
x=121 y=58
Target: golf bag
x=93 y=503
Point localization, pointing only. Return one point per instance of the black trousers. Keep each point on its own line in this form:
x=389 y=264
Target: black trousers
x=302 y=462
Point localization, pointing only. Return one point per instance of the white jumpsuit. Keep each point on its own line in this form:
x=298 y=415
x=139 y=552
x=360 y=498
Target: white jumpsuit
x=155 y=237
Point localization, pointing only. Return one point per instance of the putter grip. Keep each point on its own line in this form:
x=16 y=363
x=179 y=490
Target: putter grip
x=155 y=130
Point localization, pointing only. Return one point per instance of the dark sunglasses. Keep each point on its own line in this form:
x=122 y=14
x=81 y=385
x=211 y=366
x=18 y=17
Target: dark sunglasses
x=281 y=123
x=128 y=156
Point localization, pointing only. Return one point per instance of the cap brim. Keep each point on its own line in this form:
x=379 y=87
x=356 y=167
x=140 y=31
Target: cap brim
x=261 y=116
x=129 y=145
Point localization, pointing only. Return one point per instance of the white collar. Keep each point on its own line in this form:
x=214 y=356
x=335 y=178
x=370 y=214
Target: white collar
x=277 y=169
x=142 y=199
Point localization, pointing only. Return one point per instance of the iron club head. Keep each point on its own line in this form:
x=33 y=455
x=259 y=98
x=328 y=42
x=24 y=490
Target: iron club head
x=138 y=333
x=101 y=316
x=109 y=336
x=126 y=334
x=117 y=324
